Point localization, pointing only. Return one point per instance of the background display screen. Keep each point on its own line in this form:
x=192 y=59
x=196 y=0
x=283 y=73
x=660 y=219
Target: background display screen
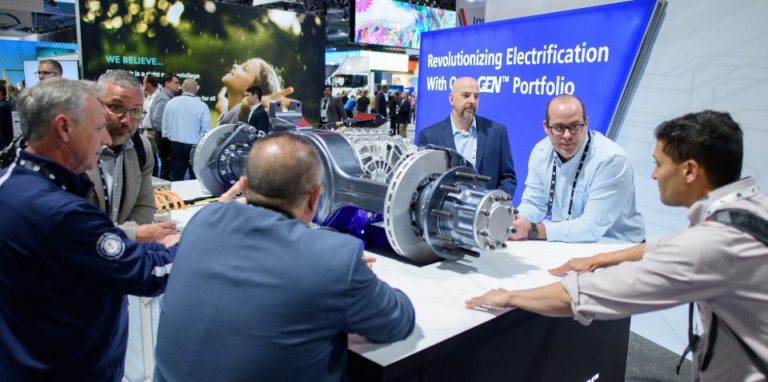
x=203 y=40
x=395 y=23
x=522 y=63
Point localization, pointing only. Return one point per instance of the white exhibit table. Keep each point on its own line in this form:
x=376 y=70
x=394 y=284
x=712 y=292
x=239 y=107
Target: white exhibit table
x=451 y=342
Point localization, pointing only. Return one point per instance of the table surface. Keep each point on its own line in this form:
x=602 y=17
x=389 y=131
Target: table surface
x=438 y=290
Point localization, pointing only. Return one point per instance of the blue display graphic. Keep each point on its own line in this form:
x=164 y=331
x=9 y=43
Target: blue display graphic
x=521 y=63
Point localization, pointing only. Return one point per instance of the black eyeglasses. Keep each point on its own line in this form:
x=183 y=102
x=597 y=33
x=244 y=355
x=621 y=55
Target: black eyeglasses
x=45 y=74
x=119 y=111
x=574 y=128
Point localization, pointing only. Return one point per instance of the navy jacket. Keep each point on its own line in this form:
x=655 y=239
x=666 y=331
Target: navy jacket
x=494 y=157
x=259 y=119
x=64 y=272
x=259 y=296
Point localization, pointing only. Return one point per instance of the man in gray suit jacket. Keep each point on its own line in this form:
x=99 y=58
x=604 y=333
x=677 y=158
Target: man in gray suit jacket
x=171 y=86
x=269 y=297
x=123 y=188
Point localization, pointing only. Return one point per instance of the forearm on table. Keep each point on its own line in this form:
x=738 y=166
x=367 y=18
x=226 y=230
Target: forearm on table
x=635 y=253
x=551 y=300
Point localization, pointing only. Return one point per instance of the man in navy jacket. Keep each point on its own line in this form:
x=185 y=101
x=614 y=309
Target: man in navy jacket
x=479 y=140
x=65 y=268
x=257 y=295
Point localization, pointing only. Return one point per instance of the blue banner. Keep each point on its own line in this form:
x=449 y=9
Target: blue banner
x=521 y=63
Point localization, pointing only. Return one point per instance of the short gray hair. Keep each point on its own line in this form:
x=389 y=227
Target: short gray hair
x=39 y=104
x=189 y=86
x=121 y=78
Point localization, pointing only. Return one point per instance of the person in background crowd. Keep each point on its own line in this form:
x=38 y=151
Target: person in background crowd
x=349 y=106
x=171 y=87
x=720 y=262
x=363 y=102
x=185 y=120
x=580 y=184
x=392 y=102
x=380 y=103
x=331 y=108
x=258 y=117
x=49 y=68
x=151 y=90
x=64 y=267
x=403 y=114
x=479 y=140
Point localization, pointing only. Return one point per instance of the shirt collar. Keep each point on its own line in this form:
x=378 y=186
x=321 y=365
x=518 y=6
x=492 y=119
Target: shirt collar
x=62 y=177
x=109 y=152
x=472 y=128
x=698 y=210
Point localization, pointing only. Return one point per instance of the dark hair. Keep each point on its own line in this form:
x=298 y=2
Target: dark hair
x=712 y=139
x=168 y=77
x=152 y=80
x=581 y=103
x=253 y=89
x=3 y=92
x=56 y=65
x=327 y=87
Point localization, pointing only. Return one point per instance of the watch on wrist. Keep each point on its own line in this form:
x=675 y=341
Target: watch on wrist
x=534 y=232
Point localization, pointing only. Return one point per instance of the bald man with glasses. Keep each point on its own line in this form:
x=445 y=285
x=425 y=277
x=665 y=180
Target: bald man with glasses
x=580 y=184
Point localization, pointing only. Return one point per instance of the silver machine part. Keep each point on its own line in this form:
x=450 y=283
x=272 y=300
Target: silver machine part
x=219 y=159
x=434 y=208
x=435 y=204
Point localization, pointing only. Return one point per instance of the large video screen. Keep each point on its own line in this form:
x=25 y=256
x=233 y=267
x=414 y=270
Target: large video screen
x=395 y=23
x=520 y=64
x=226 y=47
x=70 y=69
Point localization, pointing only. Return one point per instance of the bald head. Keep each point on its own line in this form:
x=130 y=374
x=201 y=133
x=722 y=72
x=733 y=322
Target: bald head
x=564 y=103
x=463 y=83
x=283 y=169
x=566 y=125
x=464 y=99
x=189 y=86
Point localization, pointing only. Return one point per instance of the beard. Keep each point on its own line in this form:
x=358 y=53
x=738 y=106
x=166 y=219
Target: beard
x=119 y=135
x=468 y=113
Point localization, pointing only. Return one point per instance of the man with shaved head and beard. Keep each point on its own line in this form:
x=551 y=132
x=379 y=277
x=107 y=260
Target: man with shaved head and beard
x=482 y=142
x=269 y=297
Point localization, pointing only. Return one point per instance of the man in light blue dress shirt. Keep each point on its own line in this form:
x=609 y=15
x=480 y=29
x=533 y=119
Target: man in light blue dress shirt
x=580 y=184
x=185 y=120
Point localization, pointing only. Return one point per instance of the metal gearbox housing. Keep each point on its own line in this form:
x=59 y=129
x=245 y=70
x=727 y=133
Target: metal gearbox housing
x=433 y=203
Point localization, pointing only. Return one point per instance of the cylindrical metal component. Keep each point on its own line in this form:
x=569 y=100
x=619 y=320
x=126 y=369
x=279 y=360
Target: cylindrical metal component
x=441 y=213
x=447 y=188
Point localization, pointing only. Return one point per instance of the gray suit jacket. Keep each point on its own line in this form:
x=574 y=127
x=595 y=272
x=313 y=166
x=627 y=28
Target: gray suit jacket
x=335 y=110
x=158 y=107
x=137 y=205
